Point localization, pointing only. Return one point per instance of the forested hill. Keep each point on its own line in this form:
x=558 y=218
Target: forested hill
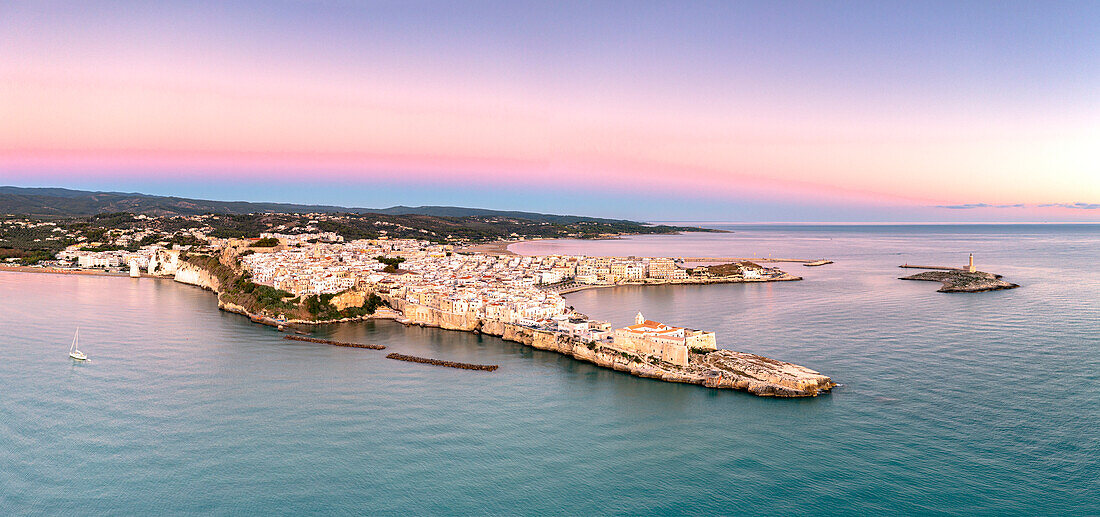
x=61 y=202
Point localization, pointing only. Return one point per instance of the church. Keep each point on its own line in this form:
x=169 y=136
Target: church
x=664 y=342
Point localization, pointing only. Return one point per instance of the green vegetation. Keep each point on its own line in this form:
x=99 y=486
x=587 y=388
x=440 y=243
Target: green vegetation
x=321 y=308
x=26 y=258
x=391 y=263
x=266 y=242
x=239 y=289
x=121 y=230
x=732 y=268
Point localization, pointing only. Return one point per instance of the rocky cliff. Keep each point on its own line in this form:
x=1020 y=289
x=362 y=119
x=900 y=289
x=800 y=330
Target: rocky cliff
x=349 y=299
x=721 y=369
x=187 y=273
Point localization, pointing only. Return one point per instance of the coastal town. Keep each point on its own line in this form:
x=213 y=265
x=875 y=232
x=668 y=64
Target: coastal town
x=522 y=290
x=305 y=275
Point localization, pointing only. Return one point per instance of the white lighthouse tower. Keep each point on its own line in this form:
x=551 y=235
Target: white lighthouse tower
x=970 y=266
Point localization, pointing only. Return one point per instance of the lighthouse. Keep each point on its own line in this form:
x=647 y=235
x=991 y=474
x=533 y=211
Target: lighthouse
x=970 y=266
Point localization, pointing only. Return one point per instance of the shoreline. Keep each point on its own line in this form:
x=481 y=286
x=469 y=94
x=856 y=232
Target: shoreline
x=83 y=272
x=787 y=277
x=491 y=248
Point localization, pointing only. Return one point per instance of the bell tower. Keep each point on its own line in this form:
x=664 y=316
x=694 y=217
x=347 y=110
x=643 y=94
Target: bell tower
x=639 y=319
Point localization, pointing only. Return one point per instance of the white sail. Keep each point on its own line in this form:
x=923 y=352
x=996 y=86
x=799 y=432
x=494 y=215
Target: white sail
x=75 y=352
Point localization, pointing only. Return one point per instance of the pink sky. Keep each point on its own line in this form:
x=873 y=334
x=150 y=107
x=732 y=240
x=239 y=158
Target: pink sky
x=119 y=110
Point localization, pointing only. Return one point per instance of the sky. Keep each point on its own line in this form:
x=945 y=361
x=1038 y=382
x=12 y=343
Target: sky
x=669 y=111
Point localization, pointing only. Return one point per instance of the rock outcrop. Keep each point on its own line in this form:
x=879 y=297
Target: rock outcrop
x=351 y=298
x=187 y=273
x=959 y=281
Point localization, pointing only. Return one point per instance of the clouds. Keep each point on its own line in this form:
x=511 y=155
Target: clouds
x=1081 y=206
x=979 y=205
x=968 y=206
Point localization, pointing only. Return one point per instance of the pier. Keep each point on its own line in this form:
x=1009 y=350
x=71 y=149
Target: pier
x=942 y=268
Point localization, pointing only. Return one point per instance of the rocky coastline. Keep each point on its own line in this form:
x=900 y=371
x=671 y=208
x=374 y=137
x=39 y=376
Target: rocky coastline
x=726 y=369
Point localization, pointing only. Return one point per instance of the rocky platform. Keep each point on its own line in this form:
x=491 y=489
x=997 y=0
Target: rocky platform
x=959 y=281
x=727 y=369
x=720 y=369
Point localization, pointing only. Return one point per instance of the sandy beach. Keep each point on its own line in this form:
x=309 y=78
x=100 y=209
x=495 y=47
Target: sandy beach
x=491 y=248
x=60 y=271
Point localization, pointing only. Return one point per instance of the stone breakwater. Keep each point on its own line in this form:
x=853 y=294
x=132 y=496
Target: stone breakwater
x=785 y=277
x=721 y=369
x=439 y=362
x=334 y=343
x=958 y=281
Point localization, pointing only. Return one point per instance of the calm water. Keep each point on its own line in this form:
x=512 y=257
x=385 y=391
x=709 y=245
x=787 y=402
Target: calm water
x=962 y=404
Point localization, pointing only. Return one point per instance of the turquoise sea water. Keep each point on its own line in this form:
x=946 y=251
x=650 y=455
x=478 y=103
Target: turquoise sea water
x=951 y=403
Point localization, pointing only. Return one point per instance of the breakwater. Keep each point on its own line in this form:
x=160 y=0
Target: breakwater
x=573 y=287
x=334 y=343
x=438 y=362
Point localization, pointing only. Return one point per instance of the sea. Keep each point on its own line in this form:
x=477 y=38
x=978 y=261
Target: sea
x=948 y=404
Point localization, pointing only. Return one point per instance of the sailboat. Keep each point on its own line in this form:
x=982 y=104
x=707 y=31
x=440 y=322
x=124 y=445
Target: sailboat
x=73 y=352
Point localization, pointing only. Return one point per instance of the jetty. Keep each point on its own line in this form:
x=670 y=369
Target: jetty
x=751 y=259
x=438 y=362
x=942 y=268
x=334 y=343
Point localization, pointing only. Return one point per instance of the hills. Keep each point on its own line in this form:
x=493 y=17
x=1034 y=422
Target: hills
x=62 y=202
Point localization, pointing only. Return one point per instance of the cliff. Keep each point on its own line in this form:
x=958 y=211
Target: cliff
x=187 y=273
x=720 y=369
